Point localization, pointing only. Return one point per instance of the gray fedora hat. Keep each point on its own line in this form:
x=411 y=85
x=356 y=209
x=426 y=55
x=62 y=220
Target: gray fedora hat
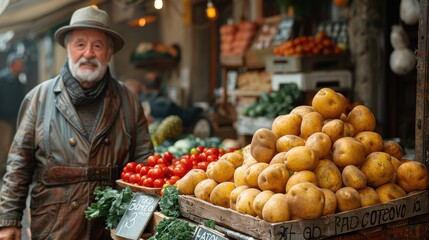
x=90 y=17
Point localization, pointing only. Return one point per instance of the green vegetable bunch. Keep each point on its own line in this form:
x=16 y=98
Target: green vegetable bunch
x=169 y=202
x=275 y=103
x=110 y=203
x=172 y=228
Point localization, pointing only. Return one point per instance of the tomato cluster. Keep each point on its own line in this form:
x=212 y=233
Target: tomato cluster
x=162 y=169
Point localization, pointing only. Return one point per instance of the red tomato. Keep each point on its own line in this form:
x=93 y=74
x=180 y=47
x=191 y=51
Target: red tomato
x=126 y=177
x=133 y=179
x=187 y=162
x=148 y=182
x=144 y=170
x=156 y=173
x=152 y=160
x=173 y=180
x=138 y=167
x=180 y=170
x=201 y=149
x=124 y=169
x=168 y=156
x=212 y=151
x=158 y=183
x=195 y=157
x=171 y=169
x=203 y=157
x=203 y=165
x=212 y=158
x=130 y=167
x=142 y=178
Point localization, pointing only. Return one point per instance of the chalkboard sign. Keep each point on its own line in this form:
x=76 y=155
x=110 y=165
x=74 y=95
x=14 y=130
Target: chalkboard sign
x=204 y=233
x=284 y=30
x=137 y=215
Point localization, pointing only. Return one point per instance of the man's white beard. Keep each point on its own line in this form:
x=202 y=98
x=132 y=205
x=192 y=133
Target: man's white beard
x=87 y=75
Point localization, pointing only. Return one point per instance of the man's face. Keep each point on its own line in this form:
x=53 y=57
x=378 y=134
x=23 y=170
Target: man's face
x=88 y=53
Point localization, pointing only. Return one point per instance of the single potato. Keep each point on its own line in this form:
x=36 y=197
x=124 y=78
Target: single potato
x=372 y=141
x=329 y=103
x=328 y=175
x=287 y=142
x=220 y=194
x=251 y=174
x=348 y=151
x=412 y=176
x=334 y=129
x=187 y=183
x=279 y=158
x=321 y=143
x=288 y=124
x=311 y=123
x=274 y=178
x=222 y=171
x=362 y=119
x=302 y=158
x=390 y=191
x=233 y=157
x=260 y=200
x=393 y=148
x=347 y=199
x=306 y=201
x=378 y=169
x=330 y=202
x=353 y=177
x=301 y=176
x=302 y=110
x=368 y=197
x=245 y=201
x=204 y=189
x=234 y=195
x=276 y=209
x=263 y=145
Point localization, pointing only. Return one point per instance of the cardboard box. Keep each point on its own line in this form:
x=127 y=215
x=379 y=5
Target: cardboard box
x=366 y=218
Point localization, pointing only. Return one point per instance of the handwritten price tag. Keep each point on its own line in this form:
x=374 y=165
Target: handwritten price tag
x=137 y=215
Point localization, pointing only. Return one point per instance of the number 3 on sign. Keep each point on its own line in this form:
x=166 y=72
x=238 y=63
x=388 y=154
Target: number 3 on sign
x=131 y=221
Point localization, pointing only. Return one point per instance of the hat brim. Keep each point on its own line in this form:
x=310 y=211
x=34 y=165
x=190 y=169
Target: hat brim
x=118 y=40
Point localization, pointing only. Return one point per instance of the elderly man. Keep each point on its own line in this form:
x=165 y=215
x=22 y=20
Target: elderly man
x=76 y=131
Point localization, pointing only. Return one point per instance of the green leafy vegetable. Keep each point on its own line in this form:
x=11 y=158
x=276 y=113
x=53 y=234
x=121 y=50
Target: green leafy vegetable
x=210 y=223
x=169 y=202
x=173 y=229
x=110 y=203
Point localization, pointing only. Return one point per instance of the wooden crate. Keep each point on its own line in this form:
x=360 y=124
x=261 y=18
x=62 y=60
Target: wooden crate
x=256 y=58
x=232 y=60
x=294 y=64
x=367 y=218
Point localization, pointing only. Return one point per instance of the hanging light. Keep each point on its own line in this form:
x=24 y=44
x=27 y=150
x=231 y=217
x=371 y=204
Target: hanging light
x=158 y=4
x=211 y=11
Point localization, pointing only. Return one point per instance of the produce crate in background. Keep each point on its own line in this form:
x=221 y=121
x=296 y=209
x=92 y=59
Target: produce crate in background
x=249 y=125
x=295 y=64
x=403 y=210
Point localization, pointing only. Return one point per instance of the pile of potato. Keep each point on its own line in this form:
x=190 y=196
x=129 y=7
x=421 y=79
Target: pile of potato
x=315 y=161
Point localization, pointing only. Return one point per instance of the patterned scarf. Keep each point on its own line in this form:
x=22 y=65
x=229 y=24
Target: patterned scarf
x=79 y=95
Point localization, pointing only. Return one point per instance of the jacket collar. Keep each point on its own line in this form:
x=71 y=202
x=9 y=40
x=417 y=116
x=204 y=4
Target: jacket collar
x=111 y=107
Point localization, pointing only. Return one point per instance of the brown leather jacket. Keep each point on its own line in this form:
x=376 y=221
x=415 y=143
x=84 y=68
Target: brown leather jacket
x=50 y=148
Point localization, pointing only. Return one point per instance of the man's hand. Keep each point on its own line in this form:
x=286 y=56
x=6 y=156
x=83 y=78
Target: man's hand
x=10 y=233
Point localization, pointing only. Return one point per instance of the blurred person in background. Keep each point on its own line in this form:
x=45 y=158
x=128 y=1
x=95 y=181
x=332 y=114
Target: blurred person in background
x=75 y=132
x=12 y=91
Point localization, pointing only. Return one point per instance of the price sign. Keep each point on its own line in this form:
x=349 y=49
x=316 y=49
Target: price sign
x=284 y=30
x=204 y=233
x=137 y=215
